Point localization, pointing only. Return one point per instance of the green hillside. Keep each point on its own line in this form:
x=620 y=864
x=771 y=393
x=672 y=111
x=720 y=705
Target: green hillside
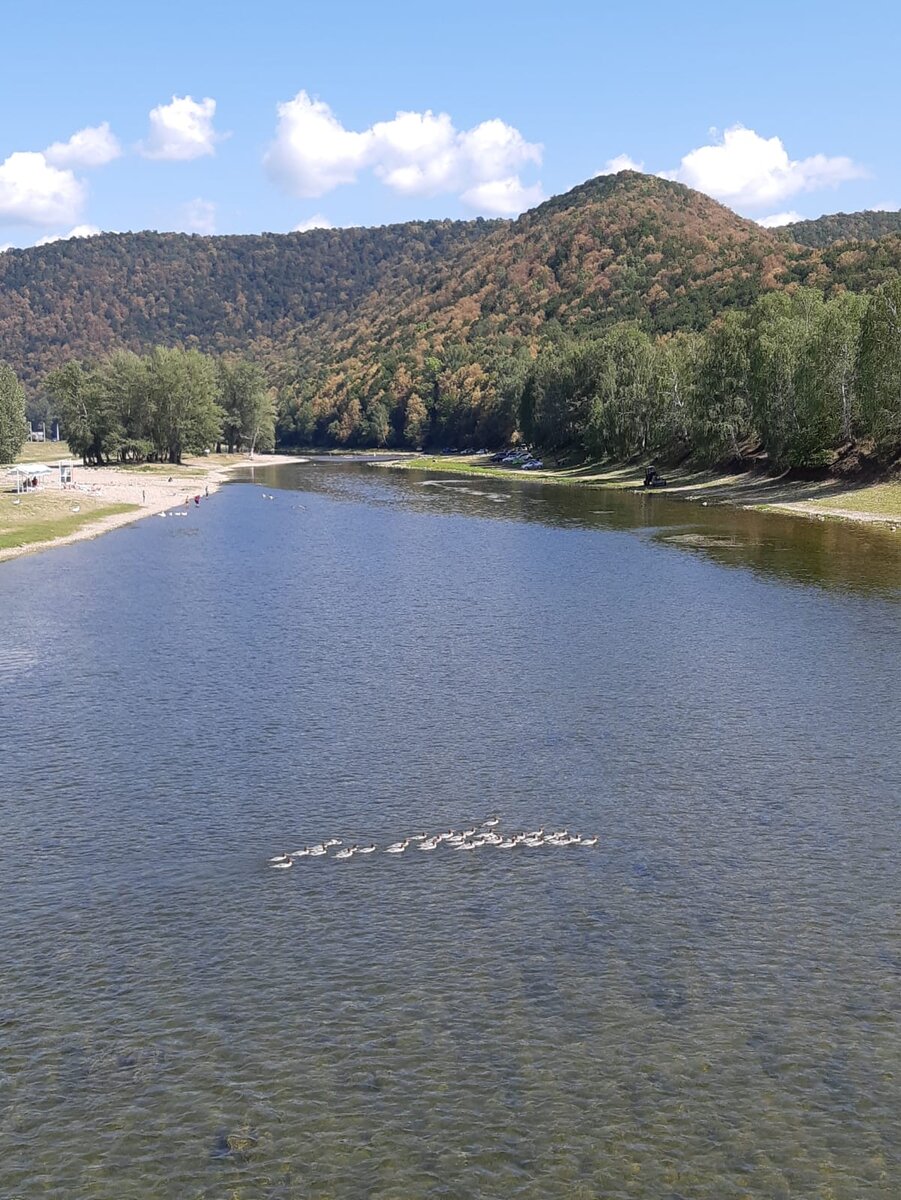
x=842 y=227
x=86 y=296
x=437 y=331
x=618 y=247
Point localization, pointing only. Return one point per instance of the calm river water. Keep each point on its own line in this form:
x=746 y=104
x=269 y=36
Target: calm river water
x=704 y=1007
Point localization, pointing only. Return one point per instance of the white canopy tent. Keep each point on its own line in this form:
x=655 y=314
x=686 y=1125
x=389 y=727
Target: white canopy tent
x=24 y=472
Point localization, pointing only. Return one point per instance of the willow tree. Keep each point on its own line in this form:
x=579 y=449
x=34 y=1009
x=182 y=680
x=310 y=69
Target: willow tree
x=13 y=426
x=248 y=405
x=625 y=418
x=89 y=409
x=720 y=409
x=880 y=367
x=827 y=382
x=182 y=396
x=781 y=326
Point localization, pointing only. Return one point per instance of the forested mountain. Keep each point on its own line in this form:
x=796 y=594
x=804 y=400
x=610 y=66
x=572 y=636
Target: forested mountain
x=466 y=332
x=618 y=247
x=841 y=227
x=86 y=296
x=447 y=361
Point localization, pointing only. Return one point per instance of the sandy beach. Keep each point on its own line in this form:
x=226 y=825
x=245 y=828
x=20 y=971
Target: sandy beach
x=149 y=493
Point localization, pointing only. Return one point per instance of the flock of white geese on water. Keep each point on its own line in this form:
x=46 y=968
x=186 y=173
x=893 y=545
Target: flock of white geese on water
x=477 y=838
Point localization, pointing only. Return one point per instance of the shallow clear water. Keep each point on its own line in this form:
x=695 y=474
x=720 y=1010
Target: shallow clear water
x=706 y=1006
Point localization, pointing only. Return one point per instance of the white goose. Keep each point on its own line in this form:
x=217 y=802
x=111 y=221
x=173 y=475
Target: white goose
x=348 y=853
x=280 y=858
x=398 y=847
x=282 y=866
x=592 y=841
x=370 y=849
x=318 y=851
x=427 y=845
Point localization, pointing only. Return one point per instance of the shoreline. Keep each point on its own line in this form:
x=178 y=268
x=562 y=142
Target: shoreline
x=876 y=503
x=125 y=494
x=139 y=492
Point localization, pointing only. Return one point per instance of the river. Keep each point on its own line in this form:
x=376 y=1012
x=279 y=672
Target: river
x=705 y=1006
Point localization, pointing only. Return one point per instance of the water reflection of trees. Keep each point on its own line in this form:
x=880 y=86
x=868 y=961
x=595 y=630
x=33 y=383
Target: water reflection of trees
x=831 y=554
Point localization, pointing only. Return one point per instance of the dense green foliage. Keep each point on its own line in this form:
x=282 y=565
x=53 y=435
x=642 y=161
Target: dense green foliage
x=841 y=227
x=880 y=366
x=160 y=406
x=797 y=375
x=248 y=405
x=13 y=427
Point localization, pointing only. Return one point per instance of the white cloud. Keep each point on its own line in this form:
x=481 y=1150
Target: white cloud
x=414 y=154
x=494 y=149
x=91 y=147
x=32 y=192
x=745 y=169
x=622 y=162
x=79 y=231
x=181 y=130
x=885 y=206
x=503 y=197
x=6 y=246
x=313 y=152
x=317 y=221
x=199 y=216
x=782 y=218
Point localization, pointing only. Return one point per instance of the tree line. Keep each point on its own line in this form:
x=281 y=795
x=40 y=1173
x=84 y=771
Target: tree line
x=796 y=374
x=159 y=406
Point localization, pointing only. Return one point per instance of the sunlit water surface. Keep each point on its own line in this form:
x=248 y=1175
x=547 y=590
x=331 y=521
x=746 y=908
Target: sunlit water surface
x=706 y=1006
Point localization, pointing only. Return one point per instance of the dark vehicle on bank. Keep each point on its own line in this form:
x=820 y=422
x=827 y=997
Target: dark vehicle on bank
x=653 y=478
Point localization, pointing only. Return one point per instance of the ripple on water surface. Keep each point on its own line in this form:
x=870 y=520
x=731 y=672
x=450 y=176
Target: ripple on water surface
x=703 y=1006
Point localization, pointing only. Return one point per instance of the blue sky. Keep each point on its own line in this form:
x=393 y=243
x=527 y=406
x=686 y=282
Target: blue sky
x=269 y=116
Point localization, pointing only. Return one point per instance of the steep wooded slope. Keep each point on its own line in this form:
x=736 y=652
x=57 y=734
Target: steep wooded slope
x=628 y=246
x=86 y=296
x=841 y=227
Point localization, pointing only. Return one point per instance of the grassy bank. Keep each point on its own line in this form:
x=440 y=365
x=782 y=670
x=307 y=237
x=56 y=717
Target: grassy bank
x=45 y=452
x=837 y=499
x=44 y=516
